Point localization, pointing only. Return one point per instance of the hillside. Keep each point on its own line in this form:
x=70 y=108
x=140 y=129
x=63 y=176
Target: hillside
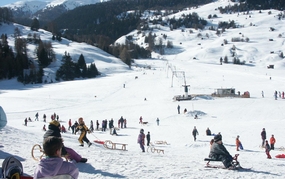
x=148 y=89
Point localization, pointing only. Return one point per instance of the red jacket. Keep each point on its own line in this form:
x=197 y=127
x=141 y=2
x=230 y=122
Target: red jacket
x=272 y=140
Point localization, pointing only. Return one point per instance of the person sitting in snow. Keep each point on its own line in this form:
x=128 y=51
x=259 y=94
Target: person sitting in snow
x=63 y=130
x=53 y=165
x=208 y=131
x=219 y=152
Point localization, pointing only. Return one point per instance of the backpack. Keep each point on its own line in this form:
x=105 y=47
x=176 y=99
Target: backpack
x=12 y=168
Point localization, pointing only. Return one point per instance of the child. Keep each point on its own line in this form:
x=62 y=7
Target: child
x=267 y=149
x=53 y=164
x=238 y=144
x=272 y=142
x=83 y=128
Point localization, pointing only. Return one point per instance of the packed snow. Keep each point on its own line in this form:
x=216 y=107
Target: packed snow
x=148 y=89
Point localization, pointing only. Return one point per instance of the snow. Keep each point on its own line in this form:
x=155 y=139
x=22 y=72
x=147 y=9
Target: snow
x=36 y=5
x=105 y=98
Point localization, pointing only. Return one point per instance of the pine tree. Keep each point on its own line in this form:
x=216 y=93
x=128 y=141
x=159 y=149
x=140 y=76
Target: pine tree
x=82 y=66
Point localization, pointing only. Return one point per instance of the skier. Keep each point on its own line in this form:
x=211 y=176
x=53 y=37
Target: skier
x=272 y=142
x=83 y=128
x=141 y=139
x=267 y=150
x=148 y=138
x=194 y=133
x=219 y=152
x=263 y=137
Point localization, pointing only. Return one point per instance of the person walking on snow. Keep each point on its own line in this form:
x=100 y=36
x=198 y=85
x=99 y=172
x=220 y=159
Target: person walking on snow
x=141 y=120
x=194 y=133
x=267 y=150
x=272 y=142
x=157 y=121
x=83 y=128
x=238 y=144
x=69 y=124
x=141 y=138
x=263 y=137
x=148 y=138
x=37 y=117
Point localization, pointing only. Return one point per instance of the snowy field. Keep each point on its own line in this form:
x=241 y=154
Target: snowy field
x=105 y=98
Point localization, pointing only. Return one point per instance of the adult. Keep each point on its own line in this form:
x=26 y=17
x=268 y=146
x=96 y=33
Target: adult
x=148 y=138
x=141 y=138
x=73 y=127
x=195 y=133
x=263 y=137
x=219 y=152
x=122 y=122
x=157 y=121
x=69 y=124
x=54 y=130
x=53 y=164
x=178 y=109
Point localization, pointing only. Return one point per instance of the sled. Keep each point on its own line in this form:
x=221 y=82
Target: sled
x=160 y=142
x=38 y=153
x=234 y=162
x=114 y=146
x=280 y=156
x=153 y=150
x=99 y=141
x=240 y=146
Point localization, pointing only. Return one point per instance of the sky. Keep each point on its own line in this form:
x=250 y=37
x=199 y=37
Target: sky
x=150 y=95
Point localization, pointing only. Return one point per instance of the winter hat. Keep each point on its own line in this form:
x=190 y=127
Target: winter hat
x=55 y=123
x=80 y=120
x=217 y=138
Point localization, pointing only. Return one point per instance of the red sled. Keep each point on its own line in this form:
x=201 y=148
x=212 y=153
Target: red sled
x=99 y=141
x=280 y=156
